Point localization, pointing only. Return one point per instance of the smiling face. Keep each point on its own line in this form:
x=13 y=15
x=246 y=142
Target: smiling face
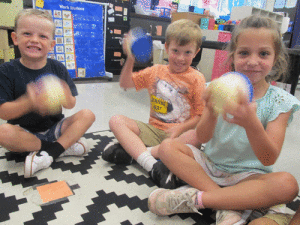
x=255 y=54
x=180 y=57
x=34 y=38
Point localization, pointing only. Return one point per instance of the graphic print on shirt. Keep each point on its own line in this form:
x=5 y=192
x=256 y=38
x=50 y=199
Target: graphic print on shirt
x=169 y=103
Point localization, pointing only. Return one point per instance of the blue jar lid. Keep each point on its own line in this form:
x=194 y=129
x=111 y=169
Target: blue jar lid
x=141 y=46
x=142 y=49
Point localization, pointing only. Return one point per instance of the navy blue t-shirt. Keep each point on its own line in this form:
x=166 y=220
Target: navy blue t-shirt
x=14 y=78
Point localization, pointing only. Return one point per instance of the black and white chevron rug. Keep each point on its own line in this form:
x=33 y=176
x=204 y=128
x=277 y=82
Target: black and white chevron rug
x=103 y=193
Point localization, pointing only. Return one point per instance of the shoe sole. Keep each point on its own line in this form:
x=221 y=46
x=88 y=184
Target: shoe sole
x=154 y=203
x=110 y=144
x=85 y=146
x=28 y=161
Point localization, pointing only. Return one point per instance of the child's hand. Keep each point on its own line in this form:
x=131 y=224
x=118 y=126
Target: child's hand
x=67 y=91
x=36 y=99
x=69 y=100
x=174 y=132
x=242 y=113
x=126 y=46
x=47 y=97
x=208 y=100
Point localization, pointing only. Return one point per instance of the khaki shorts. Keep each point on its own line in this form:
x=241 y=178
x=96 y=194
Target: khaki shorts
x=150 y=135
x=280 y=218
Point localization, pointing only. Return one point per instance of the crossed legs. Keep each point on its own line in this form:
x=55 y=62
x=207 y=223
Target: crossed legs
x=15 y=138
x=255 y=192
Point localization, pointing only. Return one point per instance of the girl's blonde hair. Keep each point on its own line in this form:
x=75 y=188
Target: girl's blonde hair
x=34 y=12
x=280 y=67
x=183 y=32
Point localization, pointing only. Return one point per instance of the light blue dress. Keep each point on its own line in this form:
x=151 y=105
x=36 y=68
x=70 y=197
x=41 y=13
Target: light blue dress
x=230 y=150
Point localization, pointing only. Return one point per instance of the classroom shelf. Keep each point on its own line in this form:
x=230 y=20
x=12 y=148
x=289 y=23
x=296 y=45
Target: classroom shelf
x=240 y=12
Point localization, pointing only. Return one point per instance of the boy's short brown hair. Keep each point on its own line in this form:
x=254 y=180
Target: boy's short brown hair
x=183 y=32
x=34 y=12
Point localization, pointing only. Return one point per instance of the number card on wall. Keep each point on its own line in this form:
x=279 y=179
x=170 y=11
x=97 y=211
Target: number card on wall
x=79 y=36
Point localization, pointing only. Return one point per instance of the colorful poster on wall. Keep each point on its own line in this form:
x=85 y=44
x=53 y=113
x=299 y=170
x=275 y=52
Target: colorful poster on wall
x=79 y=36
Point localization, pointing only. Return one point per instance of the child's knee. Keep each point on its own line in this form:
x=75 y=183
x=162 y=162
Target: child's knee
x=88 y=115
x=165 y=148
x=116 y=120
x=6 y=131
x=293 y=187
x=288 y=185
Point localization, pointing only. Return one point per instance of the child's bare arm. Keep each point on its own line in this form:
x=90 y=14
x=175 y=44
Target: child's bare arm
x=15 y=109
x=265 y=143
x=176 y=131
x=125 y=80
x=206 y=127
x=33 y=101
x=126 y=73
x=70 y=99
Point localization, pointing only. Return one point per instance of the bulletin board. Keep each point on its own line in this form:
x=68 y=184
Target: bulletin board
x=79 y=36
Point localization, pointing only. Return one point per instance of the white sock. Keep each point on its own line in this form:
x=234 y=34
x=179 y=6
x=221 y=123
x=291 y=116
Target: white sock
x=146 y=160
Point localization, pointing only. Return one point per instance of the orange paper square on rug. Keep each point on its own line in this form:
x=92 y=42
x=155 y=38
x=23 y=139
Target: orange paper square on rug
x=54 y=191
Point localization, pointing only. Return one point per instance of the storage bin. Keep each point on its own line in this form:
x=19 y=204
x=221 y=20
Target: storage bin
x=164 y=12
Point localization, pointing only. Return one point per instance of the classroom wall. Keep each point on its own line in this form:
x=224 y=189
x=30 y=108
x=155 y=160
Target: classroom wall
x=207 y=59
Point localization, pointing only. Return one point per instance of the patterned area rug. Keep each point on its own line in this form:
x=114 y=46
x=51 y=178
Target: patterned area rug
x=102 y=193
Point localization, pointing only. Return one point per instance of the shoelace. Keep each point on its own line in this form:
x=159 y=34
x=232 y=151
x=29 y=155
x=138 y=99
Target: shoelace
x=183 y=203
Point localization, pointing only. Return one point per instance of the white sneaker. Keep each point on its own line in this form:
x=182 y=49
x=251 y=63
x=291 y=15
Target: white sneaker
x=78 y=149
x=36 y=161
x=230 y=217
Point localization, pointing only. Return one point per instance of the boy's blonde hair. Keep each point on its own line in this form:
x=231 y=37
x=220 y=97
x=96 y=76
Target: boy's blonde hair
x=280 y=68
x=34 y=12
x=183 y=32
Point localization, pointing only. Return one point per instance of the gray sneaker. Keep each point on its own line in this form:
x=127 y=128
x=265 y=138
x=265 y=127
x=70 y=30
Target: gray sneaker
x=36 y=161
x=80 y=148
x=230 y=217
x=164 y=202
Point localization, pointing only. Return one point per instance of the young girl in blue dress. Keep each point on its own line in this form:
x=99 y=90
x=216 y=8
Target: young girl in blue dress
x=233 y=174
